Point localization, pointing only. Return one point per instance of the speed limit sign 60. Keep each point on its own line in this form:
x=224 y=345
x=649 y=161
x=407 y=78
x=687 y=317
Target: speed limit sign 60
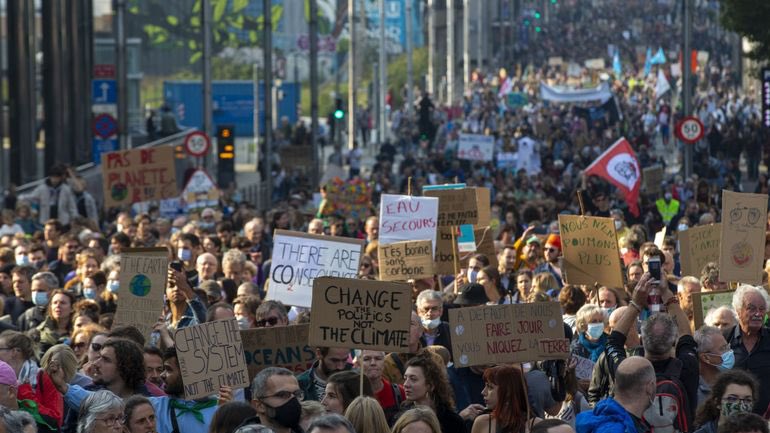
x=197 y=143
x=689 y=129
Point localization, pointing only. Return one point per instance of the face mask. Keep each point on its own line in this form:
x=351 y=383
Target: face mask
x=39 y=264
x=729 y=408
x=119 y=228
x=472 y=276
x=682 y=227
x=618 y=224
x=89 y=293
x=667 y=196
x=113 y=286
x=184 y=255
x=40 y=299
x=243 y=323
x=22 y=260
x=728 y=361
x=608 y=311
x=207 y=226
x=431 y=324
x=288 y=414
x=595 y=330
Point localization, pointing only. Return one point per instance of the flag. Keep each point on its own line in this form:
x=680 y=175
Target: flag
x=659 y=58
x=662 y=86
x=693 y=61
x=505 y=88
x=619 y=166
x=616 y=65
x=648 y=62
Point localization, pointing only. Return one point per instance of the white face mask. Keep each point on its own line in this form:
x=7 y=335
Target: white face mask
x=431 y=324
x=595 y=330
x=618 y=224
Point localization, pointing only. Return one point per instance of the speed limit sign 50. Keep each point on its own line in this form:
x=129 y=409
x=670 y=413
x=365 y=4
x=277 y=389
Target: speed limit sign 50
x=689 y=129
x=197 y=143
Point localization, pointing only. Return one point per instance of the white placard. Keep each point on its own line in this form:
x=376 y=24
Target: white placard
x=408 y=218
x=476 y=147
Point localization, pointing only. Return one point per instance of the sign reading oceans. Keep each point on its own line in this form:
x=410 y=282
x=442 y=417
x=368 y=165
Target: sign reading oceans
x=507 y=334
x=131 y=176
x=143 y=274
x=742 y=243
x=210 y=356
x=590 y=246
x=279 y=346
x=405 y=218
x=299 y=258
x=699 y=246
x=360 y=314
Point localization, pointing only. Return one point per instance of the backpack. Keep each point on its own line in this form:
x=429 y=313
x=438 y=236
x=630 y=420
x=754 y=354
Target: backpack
x=669 y=411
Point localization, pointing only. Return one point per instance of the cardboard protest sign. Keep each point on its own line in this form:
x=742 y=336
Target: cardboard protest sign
x=360 y=314
x=143 y=273
x=456 y=206
x=131 y=176
x=476 y=147
x=299 y=258
x=443 y=261
x=406 y=218
x=703 y=302
x=590 y=248
x=659 y=237
x=584 y=368
x=466 y=241
x=485 y=244
x=279 y=346
x=507 y=334
x=401 y=261
x=597 y=63
x=211 y=355
x=698 y=246
x=484 y=205
x=652 y=177
x=742 y=242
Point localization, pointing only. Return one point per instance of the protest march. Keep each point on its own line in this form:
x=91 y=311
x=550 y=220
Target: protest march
x=531 y=258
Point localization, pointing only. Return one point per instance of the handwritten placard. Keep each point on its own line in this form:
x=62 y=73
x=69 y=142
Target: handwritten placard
x=652 y=177
x=507 y=334
x=590 y=248
x=360 y=314
x=456 y=206
x=476 y=147
x=483 y=203
x=698 y=246
x=280 y=346
x=210 y=356
x=703 y=302
x=742 y=241
x=584 y=368
x=402 y=261
x=143 y=273
x=131 y=176
x=443 y=262
x=406 y=218
x=299 y=258
x=485 y=244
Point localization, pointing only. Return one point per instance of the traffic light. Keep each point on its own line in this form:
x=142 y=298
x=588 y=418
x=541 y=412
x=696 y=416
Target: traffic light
x=339 y=111
x=226 y=165
x=537 y=15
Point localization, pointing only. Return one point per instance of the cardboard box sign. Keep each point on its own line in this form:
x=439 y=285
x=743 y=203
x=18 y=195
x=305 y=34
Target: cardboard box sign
x=742 y=242
x=697 y=247
x=507 y=334
x=211 y=355
x=703 y=302
x=281 y=346
x=143 y=273
x=402 y=261
x=652 y=177
x=456 y=206
x=407 y=218
x=590 y=248
x=298 y=258
x=131 y=176
x=360 y=314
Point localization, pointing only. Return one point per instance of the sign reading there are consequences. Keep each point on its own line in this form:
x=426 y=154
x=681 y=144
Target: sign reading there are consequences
x=131 y=176
x=590 y=247
x=360 y=314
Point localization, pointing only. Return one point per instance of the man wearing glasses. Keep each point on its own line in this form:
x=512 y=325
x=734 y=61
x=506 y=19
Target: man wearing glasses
x=552 y=255
x=277 y=397
x=271 y=313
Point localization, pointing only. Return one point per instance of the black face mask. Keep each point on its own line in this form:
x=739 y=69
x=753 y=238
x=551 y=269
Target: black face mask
x=287 y=414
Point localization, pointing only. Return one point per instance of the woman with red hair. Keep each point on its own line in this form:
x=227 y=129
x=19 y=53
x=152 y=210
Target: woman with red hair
x=508 y=408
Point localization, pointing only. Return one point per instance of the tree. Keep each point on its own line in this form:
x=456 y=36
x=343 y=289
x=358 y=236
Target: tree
x=749 y=19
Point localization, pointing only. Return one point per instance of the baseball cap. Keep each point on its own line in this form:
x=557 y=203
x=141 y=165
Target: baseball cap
x=7 y=375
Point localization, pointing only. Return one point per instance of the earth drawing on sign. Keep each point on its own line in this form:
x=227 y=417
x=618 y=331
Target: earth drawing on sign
x=140 y=285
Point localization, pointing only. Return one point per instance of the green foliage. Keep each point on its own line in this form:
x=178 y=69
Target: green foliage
x=749 y=19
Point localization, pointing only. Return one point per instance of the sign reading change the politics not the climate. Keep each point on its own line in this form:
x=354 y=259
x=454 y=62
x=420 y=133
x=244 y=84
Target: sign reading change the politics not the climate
x=143 y=273
x=590 y=246
x=299 y=258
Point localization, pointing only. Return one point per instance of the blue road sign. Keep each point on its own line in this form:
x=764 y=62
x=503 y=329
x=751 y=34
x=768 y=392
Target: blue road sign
x=105 y=126
x=104 y=91
x=100 y=146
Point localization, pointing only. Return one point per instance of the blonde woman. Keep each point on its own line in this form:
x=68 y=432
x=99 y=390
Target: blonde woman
x=545 y=282
x=421 y=418
x=591 y=338
x=366 y=415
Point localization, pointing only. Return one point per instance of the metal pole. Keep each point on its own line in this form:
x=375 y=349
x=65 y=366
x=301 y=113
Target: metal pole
x=313 y=28
x=121 y=70
x=206 y=63
x=480 y=54
x=383 y=77
x=352 y=74
x=687 y=79
x=450 y=48
x=255 y=83
x=466 y=45
x=431 y=48
x=267 y=51
x=409 y=61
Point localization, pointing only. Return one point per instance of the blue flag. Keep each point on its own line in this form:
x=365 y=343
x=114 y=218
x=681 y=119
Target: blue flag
x=647 y=63
x=616 y=64
x=659 y=58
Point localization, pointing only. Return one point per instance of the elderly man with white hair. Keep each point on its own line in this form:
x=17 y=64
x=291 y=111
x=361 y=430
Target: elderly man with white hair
x=722 y=317
x=750 y=339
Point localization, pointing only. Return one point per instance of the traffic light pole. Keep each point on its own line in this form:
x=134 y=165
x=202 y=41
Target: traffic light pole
x=313 y=27
x=352 y=74
x=687 y=79
x=267 y=49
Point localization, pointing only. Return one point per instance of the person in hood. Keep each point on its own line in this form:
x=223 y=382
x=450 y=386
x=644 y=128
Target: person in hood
x=635 y=386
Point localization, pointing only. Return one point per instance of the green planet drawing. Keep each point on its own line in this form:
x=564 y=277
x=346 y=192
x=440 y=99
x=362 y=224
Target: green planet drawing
x=140 y=285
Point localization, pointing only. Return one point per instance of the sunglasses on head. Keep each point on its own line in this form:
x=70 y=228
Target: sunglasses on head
x=272 y=321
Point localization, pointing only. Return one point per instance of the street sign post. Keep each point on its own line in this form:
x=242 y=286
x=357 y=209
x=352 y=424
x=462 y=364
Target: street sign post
x=689 y=129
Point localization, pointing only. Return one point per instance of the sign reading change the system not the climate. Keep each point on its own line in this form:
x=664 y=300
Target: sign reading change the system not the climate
x=299 y=258
x=143 y=273
x=361 y=314
x=507 y=334
x=590 y=248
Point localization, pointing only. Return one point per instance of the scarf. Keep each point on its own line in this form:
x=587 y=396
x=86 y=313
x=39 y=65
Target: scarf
x=30 y=407
x=195 y=409
x=596 y=348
